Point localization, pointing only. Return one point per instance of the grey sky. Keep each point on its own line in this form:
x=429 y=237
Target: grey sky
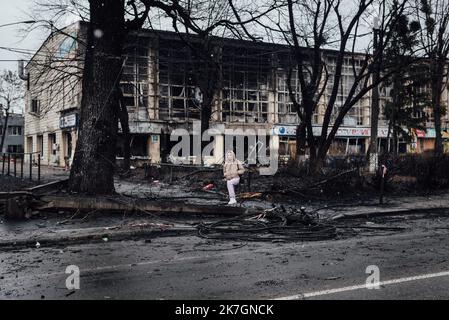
x=10 y=36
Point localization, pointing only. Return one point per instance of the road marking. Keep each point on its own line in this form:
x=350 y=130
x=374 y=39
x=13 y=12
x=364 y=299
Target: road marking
x=363 y=286
x=175 y=259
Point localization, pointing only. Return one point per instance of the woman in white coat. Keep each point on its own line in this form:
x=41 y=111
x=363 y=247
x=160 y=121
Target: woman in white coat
x=232 y=169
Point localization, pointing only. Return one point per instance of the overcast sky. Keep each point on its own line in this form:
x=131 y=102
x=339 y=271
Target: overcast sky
x=10 y=36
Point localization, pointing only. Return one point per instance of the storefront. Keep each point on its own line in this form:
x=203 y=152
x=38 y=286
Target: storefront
x=348 y=140
x=68 y=123
x=445 y=136
x=145 y=142
x=425 y=140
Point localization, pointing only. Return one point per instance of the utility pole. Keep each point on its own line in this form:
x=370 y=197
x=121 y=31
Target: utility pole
x=373 y=152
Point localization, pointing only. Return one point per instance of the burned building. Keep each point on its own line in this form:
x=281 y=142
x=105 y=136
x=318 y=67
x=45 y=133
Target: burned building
x=161 y=80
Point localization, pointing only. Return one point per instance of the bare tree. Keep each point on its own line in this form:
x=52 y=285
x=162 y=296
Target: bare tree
x=109 y=24
x=324 y=37
x=203 y=26
x=11 y=92
x=93 y=165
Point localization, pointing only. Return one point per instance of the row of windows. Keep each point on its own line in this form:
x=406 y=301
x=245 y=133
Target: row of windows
x=15 y=148
x=179 y=98
x=13 y=130
x=247 y=74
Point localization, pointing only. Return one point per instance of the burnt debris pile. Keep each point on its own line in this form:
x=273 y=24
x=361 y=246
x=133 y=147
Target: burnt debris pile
x=276 y=224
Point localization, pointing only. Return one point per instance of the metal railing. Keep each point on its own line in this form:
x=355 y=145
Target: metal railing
x=11 y=160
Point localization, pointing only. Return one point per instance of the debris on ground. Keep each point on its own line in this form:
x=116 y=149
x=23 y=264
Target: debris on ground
x=208 y=187
x=276 y=224
x=250 y=195
x=201 y=193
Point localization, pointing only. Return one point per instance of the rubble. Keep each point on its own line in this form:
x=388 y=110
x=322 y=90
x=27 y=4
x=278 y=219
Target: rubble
x=276 y=224
x=202 y=197
x=208 y=187
x=11 y=183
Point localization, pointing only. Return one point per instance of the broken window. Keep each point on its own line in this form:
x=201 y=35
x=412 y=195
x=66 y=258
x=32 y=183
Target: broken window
x=135 y=77
x=246 y=76
x=139 y=144
x=286 y=110
x=177 y=99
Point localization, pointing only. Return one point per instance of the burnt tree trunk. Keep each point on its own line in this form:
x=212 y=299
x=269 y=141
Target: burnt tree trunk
x=300 y=143
x=317 y=163
x=92 y=171
x=323 y=146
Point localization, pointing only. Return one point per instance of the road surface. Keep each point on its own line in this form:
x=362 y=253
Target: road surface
x=413 y=263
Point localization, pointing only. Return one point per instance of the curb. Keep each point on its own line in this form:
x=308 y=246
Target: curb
x=389 y=213
x=60 y=241
x=140 y=234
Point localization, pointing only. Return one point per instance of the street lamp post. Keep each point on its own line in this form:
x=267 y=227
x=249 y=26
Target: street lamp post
x=373 y=152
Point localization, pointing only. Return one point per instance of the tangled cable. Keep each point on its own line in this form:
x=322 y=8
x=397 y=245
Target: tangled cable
x=278 y=223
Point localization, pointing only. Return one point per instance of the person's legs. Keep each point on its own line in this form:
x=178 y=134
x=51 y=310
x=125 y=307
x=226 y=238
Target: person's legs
x=230 y=189
x=230 y=184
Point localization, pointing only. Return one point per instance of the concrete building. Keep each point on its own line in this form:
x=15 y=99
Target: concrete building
x=14 y=133
x=160 y=96
x=53 y=96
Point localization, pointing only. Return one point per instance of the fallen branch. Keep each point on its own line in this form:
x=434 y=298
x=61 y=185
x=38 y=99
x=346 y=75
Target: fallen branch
x=333 y=177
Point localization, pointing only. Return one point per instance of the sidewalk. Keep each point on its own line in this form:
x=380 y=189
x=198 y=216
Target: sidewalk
x=59 y=230
x=392 y=205
x=48 y=173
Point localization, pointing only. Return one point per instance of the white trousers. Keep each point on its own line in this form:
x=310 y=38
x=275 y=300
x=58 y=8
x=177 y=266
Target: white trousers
x=231 y=183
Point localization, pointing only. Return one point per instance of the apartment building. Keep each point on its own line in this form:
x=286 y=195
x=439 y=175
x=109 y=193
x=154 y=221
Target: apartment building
x=160 y=96
x=14 y=132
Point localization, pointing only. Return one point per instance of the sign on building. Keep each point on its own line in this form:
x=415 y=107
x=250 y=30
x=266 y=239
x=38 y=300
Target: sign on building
x=341 y=132
x=68 y=121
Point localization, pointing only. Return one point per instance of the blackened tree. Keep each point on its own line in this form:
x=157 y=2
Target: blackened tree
x=109 y=23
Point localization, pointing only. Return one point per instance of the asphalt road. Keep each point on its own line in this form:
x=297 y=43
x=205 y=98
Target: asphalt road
x=412 y=263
